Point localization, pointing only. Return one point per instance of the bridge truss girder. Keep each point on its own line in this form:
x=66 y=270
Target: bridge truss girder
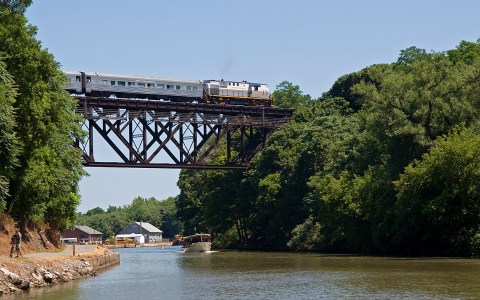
x=171 y=137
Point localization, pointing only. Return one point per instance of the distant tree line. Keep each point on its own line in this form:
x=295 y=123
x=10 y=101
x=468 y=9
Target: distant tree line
x=386 y=162
x=159 y=213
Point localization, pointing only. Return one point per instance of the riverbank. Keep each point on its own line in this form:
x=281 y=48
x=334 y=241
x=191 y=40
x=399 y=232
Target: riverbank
x=37 y=270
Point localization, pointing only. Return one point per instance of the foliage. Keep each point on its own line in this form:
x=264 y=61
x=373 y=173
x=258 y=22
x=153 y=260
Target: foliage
x=209 y=201
x=18 y=6
x=9 y=144
x=465 y=52
x=378 y=164
x=439 y=197
x=289 y=95
x=159 y=213
x=306 y=236
x=279 y=174
x=343 y=86
x=411 y=55
x=476 y=245
x=215 y=201
x=44 y=186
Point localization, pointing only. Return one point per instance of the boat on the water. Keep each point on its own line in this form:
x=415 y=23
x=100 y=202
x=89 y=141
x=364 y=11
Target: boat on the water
x=199 y=242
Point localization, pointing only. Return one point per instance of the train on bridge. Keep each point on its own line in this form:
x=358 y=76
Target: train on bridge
x=174 y=90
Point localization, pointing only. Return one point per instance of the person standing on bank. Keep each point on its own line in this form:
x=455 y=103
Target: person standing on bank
x=16 y=242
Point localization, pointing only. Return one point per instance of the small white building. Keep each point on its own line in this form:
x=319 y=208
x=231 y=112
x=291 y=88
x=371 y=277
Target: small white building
x=130 y=238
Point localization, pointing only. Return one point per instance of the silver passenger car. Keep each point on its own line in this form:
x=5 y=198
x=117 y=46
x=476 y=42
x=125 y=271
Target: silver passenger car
x=154 y=88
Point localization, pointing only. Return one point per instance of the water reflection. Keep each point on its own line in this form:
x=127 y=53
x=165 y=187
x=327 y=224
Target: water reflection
x=65 y=290
x=152 y=273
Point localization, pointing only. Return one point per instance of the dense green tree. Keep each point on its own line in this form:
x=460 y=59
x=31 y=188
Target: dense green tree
x=9 y=144
x=279 y=174
x=465 y=52
x=404 y=110
x=290 y=96
x=95 y=211
x=18 y=6
x=331 y=180
x=45 y=185
x=343 y=86
x=417 y=104
x=439 y=198
x=170 y=223
x=329 y=139
x=209 y=201
x=147 y=210
x=411 y=54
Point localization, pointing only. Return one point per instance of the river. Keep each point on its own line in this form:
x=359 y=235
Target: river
x=153 y=273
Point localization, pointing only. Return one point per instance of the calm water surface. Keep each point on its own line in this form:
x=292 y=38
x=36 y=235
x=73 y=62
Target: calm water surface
x=152 y=273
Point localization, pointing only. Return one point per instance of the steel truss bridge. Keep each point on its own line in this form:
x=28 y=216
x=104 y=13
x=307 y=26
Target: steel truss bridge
x=159 y=134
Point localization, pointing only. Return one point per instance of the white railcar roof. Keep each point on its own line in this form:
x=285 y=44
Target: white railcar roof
x=145 y=78
x=247 y=82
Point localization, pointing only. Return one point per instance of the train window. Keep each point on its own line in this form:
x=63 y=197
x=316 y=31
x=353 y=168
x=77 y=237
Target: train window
x=112 y=82
x=194 y=88
x=105 y=82
x=140 y=83
x=77 y=79
x=150 y=84
x=169 y=87
x=131 y=83
x=121 y=83
x=161 y=85
x=177 y=87
x=89 y=79
x=189 y=88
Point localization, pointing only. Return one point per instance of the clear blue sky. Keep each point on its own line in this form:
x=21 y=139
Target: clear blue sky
x=310 y=43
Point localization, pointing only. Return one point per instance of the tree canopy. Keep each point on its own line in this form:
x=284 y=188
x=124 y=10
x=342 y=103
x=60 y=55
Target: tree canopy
x=384 y=162
x=159 y=213
x=43 y=168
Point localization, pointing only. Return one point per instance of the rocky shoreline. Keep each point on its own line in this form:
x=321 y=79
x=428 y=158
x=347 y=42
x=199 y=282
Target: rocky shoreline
x=22 y=274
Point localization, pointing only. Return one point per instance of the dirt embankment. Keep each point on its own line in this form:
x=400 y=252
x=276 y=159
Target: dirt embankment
x=33 y=239
x=44 y=263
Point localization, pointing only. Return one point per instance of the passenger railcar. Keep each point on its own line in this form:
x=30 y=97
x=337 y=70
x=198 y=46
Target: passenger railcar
x=154 y=88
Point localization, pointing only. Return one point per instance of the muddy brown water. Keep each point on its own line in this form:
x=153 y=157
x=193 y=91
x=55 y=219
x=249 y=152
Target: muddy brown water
x=153 y=273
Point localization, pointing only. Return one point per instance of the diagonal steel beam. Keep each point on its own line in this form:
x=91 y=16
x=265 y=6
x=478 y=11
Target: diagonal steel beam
x=187 y=133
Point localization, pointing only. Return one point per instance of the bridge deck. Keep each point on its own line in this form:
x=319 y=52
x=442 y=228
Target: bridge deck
x=253 y=111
